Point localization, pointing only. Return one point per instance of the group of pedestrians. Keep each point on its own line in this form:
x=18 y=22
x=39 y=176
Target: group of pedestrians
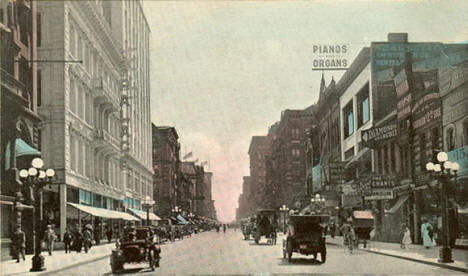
x=78 y=240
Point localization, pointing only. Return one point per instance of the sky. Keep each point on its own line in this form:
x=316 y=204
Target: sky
x=223 y=71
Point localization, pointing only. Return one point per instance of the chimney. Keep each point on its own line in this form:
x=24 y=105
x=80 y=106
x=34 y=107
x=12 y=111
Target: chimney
x=398 y=37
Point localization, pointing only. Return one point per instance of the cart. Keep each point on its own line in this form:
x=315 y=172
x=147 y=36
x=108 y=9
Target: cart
x=363 y=223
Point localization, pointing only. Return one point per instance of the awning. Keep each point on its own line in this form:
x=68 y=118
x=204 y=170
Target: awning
x=398 y=204
x=142 y=214
x=21 y=149
x=463 y=210
x=363 y=215
x=356 y=158
x=103 y=213
x=182 y=220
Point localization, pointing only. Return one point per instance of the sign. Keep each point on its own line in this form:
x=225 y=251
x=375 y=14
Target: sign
x=380 y=194
x=452 y=77
x=383 y=181
x=317 y=178
x=455 y=106
x=460 y=155
x=371 y=137
x=330 y=57
x=352 y=200
x=336 y=172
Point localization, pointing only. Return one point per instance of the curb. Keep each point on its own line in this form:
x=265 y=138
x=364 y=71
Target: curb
x=460 y=269
x=456 y=268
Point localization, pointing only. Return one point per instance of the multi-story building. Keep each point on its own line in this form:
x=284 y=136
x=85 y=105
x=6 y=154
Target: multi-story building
x=258 y=150
x=20 y=123
x=286 y=172
x=187 y=186
x=97 y=127
x=166 y=159
x=207 y=194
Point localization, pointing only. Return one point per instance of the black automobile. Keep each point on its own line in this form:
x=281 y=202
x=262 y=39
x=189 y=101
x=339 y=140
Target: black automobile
x=306 y=236
x=139 y=245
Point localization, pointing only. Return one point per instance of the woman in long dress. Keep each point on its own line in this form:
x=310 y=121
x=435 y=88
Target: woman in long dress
x=426 y=227
x=406 y=238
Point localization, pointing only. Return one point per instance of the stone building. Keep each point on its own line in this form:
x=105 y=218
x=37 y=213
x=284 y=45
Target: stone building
x=97 y=128
x=258 y=149
x=20 y=124
x=166 y=159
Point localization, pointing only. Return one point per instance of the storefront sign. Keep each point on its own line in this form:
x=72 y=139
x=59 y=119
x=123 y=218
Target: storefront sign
x=460 y=155
x=372 y=136
x=384 y=181
x=380 y=194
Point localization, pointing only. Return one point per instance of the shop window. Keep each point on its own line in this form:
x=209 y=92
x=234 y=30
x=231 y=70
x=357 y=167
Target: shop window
x=363 y=106
x=348 y=119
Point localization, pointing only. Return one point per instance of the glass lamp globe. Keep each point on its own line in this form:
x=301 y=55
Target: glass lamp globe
x=455 y=166
x=32 y=171
x=447 y=165
x=42 y=174
x=437 y=168
x=51 y=173
x=312 y=200
x=323 y=199
x=430 y=166
x=37 y=163
x=23 y=173
x=442 y=156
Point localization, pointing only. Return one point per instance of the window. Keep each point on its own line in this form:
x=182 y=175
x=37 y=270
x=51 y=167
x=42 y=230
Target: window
x=72 y=152
x=392 y=158
x=295 y=133
x=450 y=138
x=422 y=151
x=349 y=153
x=39 y=88
x=348 y=117
x=296 y=152
x=363 y=106
x=73 y=95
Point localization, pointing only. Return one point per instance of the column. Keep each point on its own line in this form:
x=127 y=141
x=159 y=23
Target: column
x=63 y=209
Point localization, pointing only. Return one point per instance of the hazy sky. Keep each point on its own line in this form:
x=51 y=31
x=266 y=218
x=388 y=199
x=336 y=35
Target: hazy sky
x=223 y=71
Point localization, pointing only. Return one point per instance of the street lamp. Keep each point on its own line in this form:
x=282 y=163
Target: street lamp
x=36 y=178
x=443 y=169
x=176 y=210
x=284 y=210
x=147 y=204
x=317 y=201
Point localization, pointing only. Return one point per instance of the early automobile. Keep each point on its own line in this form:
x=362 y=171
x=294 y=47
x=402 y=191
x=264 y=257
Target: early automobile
x=265 y=225
x=363 y=223
x=306 y=236
x=138 y=245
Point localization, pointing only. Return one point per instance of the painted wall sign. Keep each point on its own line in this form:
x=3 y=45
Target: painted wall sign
x=330 y=56
x=371 y=137
x=452 y=77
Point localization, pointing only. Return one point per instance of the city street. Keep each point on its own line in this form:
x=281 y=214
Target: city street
x=219 y=253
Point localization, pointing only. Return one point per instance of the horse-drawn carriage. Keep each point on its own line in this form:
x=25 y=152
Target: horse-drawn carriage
x=265 y=225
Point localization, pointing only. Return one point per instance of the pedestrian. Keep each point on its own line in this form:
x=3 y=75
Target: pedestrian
x=427 y=232
x=67 y=240
x=19 y=241
x=109 y=233
x=78 y=241
x=332 y=230
x=406 y=241
x=87 y=238
x=402 y=233
x=49 y=238
x=224 y=228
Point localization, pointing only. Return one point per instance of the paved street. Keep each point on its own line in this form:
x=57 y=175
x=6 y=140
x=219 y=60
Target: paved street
x=219 y=253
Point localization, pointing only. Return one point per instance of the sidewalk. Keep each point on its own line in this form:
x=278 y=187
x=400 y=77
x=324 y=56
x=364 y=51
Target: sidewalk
x=57 y=261
x=416 y=253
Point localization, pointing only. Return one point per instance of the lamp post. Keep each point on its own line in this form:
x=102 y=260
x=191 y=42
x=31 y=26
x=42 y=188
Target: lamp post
x=443 y=169
x=284 y=210
x=36 y=178
x=176 y=210
x=317 y=201
x=147 y=204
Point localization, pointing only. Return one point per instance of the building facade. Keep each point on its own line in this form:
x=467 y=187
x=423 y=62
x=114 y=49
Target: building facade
x=166 y=159
x=96 y=131
x=19 y=120
x=259 y=148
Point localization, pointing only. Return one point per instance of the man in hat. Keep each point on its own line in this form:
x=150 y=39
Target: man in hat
x=49 y=237
x=87 y=238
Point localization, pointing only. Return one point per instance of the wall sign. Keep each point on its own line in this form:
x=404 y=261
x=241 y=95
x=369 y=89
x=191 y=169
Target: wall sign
x=380 y=194
x=371 y=137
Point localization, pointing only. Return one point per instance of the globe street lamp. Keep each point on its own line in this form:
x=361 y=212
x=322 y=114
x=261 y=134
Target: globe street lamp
x=176 y=210
x=317 y=201
x=284 y=210
x=443 y=170
x=36 y=178
x=147 y=204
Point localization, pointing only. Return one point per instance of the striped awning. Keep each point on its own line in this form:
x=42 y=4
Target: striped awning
x=103 y=213
x=142 y=214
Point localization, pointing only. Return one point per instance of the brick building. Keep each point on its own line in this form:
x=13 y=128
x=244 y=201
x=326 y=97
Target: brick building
x=258 y=150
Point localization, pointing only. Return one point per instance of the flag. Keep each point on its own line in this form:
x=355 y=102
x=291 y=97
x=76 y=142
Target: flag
x=188 y=155
x=195 y=161
x=204 y=163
